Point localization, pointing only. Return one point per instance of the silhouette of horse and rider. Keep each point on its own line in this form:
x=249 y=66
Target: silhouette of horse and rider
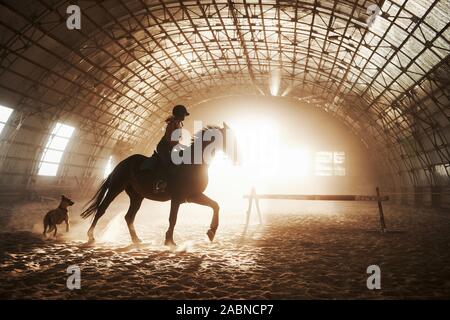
x=158 y=178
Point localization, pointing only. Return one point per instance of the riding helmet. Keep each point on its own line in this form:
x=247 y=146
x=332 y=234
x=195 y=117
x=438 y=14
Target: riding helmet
x=180 y=111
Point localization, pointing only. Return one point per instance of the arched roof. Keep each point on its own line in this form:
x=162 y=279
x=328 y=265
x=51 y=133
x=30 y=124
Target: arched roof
x=133 y=60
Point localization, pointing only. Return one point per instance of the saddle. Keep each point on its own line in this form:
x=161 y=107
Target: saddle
x=151 y=164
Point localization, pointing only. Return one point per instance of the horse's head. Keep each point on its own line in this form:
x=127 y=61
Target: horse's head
x=213 y=139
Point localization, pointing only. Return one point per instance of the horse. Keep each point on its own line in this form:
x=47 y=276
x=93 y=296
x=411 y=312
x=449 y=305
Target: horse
x=186 y=182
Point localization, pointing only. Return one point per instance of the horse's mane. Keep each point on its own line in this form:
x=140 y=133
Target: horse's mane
x=198 y=136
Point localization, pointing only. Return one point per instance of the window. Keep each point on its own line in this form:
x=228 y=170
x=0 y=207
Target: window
x=54 y=149
x=5 y=113
x=330 y=163
x=108 y=168
x=339 y=163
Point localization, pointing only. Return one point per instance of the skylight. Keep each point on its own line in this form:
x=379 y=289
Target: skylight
x=54 y=149
x=5 y=113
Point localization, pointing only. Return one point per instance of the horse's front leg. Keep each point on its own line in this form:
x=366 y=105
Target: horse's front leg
x=174 y=206
x=204 y=200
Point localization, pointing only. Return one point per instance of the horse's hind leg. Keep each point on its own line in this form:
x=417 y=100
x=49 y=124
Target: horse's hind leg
x=135 y=204
x=110 y=196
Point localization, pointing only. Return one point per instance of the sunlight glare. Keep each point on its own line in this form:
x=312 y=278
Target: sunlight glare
x=264 y=158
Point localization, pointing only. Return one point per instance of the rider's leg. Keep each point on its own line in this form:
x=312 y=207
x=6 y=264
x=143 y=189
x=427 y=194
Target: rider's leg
x=163 y=149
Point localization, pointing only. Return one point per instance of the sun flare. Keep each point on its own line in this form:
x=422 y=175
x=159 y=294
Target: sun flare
x=263 y=157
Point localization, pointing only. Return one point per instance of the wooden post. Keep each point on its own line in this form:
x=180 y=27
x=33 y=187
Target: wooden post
x=250 y=202
x=258 y=210
x=380 y=210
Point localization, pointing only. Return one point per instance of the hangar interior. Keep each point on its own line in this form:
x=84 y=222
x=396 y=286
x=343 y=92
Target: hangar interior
x=73 y=103
x=116 y=79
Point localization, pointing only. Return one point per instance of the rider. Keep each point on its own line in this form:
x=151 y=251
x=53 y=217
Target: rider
x=174 y=122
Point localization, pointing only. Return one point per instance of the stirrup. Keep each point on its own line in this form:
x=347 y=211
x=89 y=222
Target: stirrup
x=160 y=186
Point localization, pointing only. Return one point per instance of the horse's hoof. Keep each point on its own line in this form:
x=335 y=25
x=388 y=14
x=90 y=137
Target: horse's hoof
x=137 y=241
x=211 y=234
x=170 y=243
x=90 y=241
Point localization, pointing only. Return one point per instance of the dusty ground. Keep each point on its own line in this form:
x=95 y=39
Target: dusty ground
x=307 y=251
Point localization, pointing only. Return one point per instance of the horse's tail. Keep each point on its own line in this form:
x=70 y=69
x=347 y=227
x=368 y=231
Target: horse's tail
x=96 y=200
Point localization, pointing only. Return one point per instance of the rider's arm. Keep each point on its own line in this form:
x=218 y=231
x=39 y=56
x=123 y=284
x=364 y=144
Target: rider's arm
x=169 y=130
x=171 y=127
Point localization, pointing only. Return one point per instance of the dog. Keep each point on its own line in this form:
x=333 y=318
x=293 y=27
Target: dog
x=58 y=216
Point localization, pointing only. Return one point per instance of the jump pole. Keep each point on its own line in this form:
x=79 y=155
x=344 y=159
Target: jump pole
x=253 y=196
